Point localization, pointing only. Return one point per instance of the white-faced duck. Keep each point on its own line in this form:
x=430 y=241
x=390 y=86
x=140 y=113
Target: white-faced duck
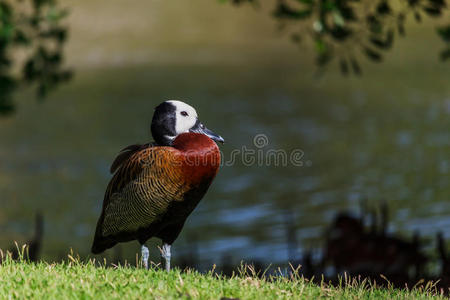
x=156 y=186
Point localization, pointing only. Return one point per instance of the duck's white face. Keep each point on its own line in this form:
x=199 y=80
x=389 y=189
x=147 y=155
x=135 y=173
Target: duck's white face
x=185 y=116
x=172 y=118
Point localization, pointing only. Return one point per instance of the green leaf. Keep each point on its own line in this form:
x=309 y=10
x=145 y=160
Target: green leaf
x=445 y=54
x=385 y=43
x=21 y=38
x=5 y=11
x=417 y=16
x=383 y=8
x=321 y=47
x=340 y=33
x=343 y=66
x=433 y=11
x=338 y=19
x=55 y=15
x=284 y=11
x=413 y=3
x=440 y=3
x=374 y=24
x=372 y=55
x=400 y=24
x=6 y=32
x=355 y=66
x=444 y=33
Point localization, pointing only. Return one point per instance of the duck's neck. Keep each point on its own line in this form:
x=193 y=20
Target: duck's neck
x=164 y=140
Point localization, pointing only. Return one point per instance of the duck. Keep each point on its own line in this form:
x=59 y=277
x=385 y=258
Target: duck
x=156 y=186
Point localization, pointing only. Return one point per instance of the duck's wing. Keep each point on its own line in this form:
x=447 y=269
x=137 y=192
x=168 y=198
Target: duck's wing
x=124 y=155
x=146 y=180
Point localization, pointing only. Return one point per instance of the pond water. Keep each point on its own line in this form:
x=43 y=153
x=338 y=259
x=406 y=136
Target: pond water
x=375 y=138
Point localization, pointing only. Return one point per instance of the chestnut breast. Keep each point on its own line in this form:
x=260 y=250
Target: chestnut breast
x=199 y=157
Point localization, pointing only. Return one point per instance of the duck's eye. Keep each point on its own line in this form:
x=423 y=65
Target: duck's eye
x=184 y=114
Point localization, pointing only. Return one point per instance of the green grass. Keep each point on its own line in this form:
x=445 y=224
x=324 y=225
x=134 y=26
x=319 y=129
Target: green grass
x=91 y=280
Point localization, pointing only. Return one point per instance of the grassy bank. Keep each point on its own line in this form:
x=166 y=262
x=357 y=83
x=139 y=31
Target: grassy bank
x=90 y=280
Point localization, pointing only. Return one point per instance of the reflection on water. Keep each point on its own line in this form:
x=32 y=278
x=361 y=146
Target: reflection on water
x=367 y=138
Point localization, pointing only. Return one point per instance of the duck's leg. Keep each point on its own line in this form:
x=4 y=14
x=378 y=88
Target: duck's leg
x=165 y=254
x=145 y=254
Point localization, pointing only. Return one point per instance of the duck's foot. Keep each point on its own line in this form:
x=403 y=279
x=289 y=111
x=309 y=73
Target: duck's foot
x=165 y=254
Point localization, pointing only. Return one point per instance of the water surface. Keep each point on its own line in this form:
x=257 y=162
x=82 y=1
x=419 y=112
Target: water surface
x=375 y=138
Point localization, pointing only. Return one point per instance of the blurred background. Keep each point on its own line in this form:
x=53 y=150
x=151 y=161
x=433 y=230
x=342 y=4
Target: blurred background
x=380 y=138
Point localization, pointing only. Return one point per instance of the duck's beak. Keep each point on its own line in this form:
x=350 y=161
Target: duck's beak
x=200 y=128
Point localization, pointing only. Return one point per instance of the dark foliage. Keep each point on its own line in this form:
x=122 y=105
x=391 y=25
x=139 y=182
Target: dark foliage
x=347 y=29
x=32 y=28
x=444 y=33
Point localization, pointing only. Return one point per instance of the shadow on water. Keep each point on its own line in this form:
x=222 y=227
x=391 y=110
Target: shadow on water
x=359 y=247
